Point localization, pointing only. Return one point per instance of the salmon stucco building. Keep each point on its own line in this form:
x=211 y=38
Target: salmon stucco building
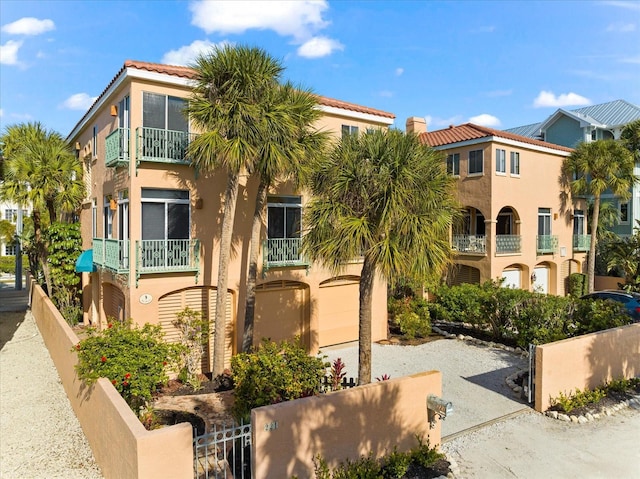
x=519 y=223
x=151 y=223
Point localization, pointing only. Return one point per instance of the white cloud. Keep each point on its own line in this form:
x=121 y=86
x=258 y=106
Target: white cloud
x=286 y=18
x=187 y=54
x=484 y=29
x=386 y=94
x=319 y=47
x=28 y=26
x=79 y=101
x=485 y=120
x=399 y=71
x=549 y=99
x=435 y=122
x=621 y=27
x=1 y=112
x=9 y=52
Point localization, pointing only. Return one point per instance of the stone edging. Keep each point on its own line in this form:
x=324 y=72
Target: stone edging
x=633 y=402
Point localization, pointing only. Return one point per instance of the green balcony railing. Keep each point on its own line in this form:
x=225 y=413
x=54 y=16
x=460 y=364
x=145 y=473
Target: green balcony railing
x=167 y=256
x=473 y=244
x=117 y=148
x=546 y=244
x=162 y=146
x=581 y=242
x=508 y=244
x=279 y=252
x=111 y=254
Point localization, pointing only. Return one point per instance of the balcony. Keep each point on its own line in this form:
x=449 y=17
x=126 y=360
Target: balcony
x=508 y=244
x=470 y=244
x=282 y=252
x=167 y=256
x=581 y=242
x=111 y=254
x=117 y=148
x=546 y=244
x=162 y=146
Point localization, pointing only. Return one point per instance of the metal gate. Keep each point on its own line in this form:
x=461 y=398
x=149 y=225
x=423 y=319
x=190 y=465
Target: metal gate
x=531 y=397
x=224 y=453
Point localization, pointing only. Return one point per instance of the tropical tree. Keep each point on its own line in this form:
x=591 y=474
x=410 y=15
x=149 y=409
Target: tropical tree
x=387 y=198
x=630 y=138
x=290 y=143
x=41 y=170
x=625 y=255
x=227 y=105
x=597 y=167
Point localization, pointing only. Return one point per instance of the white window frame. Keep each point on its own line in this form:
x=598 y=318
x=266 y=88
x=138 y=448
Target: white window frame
x=453 y=164
x=546 y=214
x=285 y=202
x=514 y=163
x=474 y=153
x=107 y=219
x=94 y=217
x=578 y=222
x=148 y=197
x=501 y=161
x=348 y=130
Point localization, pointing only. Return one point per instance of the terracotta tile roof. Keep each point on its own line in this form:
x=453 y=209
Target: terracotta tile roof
x=469 y=131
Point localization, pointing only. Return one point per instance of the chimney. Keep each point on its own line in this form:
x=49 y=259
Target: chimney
x=416 y=124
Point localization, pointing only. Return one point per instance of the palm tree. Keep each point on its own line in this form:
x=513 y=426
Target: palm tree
x=41 y=170
x=630 y=138
x=290 y=143
x=387 y=198
x=596 y=167
x=227 y=104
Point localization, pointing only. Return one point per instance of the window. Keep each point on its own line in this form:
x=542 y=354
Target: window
x=476 y=162
x=10 y=249
x=349 y=130
x=107 y=231
x=501 y=161
x=164 y=112
x=283 y=216
x=578 y=222
x=544 y=221
x=515 y=163
x=94 y=142
x=165 y=214
x=453 y=164
x=94 y=218
x=11 y=214
x=623 y=209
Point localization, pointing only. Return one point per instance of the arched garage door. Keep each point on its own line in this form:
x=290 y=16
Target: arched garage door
x=339 y=307
x=282 y=312
x=202 y=299
x=113 y=302
x=512 y=278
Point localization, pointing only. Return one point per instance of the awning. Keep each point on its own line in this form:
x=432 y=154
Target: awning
x=84 y=263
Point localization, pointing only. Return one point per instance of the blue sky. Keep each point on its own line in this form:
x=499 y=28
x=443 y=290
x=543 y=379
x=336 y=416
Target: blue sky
x=500 y=64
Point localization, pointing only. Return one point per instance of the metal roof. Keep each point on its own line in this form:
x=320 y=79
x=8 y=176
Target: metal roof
x=530 y=131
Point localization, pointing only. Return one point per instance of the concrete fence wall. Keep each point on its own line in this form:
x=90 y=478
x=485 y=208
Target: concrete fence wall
x=343 y=424
x=606 y=282
x=121 y=445
x=585 y=362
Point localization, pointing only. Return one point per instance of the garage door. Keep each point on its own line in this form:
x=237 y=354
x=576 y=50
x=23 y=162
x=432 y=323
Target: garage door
x=281 y=312
x=541 y=283
x=339 y=307
x=204 y=301
x=113 y=302
x=511 y=278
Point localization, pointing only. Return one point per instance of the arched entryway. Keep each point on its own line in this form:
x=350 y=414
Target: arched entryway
x=339 y=307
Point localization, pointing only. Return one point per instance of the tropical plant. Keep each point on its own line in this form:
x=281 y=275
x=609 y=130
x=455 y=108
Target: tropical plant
x=592 y=169
x=40 y=170
x=193 y=335
x=625 y=255
x=289 y=142
x=630 y=138
x=228 y=104
x=387 y=198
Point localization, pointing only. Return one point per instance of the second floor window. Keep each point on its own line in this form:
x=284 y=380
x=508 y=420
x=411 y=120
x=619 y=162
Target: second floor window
x=284 y=214
x=164 y=112
x=11 y=214
x=453 y=164
x=476 y=162
x=544 y=221
x=165 y=214
x=578 y=222
x=623 y=209
x=501 y=161
x=515 y=163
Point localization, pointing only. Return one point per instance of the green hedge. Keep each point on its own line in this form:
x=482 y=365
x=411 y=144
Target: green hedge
x=8 y=264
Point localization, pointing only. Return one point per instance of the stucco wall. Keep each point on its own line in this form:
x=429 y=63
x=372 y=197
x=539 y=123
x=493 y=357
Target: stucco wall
x=606 y=282
x=122 y=447
x=343 y=424
x=585 y=362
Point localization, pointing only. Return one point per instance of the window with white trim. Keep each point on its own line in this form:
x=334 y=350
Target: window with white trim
x=11 y=214
x=515 y=163
x=284 y=214
x=107 y=218
x=165 y=214
x=94 y=218
x=623 y=210
x=453 y=164
x=476 y=162
x=348 y=130
x=10 y=249
x=578 y=222
x=544 y=221
x=501 y=161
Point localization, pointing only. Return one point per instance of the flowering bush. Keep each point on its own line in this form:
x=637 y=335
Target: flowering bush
x=134 y=359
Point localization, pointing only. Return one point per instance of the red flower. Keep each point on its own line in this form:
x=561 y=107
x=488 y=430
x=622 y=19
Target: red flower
x=164 y=363
x=113 y=382
x=110 y=325
x=127 y=376
x=125 y=383
x=103 y=359
x=78 y=347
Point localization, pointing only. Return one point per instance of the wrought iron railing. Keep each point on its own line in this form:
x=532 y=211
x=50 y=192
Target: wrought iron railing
x=163 y=146
x=546 y=244
x=581 y=242
x=224 y=452
x=279 y=252
x=475 y=244
x=117 y=148
x=111 y=254
x=508 y=244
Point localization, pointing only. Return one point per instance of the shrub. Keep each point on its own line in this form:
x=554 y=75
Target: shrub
x=396 y=464
x=273 y=373
x=410 y=315
x=597 y=315
x=571 y=401
x=577 y=284
x=460 y=303
x=8 y=264
x=412 y=326
x=134 y=359
x=193 y=335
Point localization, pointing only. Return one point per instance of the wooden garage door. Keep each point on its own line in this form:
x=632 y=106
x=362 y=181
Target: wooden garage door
x=339 y=307
x=203 y=300
x=281 y=312
x=465 y=274
x=113 y=302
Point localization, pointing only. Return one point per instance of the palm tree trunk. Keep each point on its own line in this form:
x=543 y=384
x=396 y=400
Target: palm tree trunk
x=592 y=247
x=367 y=277
x=230 y=199
x=254 y=250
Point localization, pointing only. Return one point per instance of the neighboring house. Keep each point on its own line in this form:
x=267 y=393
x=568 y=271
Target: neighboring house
x=151 y=223
x=596 y=122
x=517 y=224
x=9 y=212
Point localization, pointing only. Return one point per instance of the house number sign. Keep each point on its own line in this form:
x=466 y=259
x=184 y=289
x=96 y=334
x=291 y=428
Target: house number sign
x=146 y=298
x=271 y=426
